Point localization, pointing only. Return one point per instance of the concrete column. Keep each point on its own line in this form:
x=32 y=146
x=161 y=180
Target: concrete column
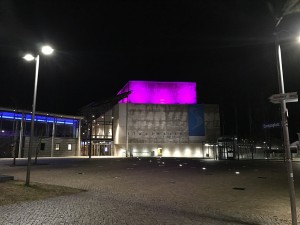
x=78 y=138
x=52 y=138
x=21 y=136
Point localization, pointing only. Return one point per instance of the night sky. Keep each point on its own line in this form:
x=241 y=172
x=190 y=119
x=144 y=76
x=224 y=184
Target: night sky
x=227 y=47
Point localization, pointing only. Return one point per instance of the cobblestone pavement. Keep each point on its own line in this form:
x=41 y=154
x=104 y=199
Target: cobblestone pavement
x=155 y=191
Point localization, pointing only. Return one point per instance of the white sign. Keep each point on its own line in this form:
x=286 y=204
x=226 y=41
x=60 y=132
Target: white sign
x=288 y=97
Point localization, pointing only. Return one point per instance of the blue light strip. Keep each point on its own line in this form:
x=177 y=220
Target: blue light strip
x=37 y=118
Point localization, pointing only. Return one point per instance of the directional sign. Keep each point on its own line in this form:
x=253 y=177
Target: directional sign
x=288 y=97
x=271 y=125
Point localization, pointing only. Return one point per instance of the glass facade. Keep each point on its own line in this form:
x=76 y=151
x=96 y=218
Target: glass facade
x=98 y=131
x=15 y=128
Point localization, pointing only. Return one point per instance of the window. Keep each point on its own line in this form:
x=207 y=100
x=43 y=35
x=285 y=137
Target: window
x=69 y=147
x=57 y=147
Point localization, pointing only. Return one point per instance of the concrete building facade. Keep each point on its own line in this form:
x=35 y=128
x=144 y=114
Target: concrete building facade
x=165 y=130
x=166 y=121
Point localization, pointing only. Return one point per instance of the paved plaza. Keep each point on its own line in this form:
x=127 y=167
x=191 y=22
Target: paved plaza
x=155 y=191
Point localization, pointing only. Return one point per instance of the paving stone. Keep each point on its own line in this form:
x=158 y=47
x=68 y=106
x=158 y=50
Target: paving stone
x=147 y=195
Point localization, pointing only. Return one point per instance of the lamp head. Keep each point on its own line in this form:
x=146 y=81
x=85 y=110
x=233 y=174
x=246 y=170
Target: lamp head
x=47 y=50
x=28 y=57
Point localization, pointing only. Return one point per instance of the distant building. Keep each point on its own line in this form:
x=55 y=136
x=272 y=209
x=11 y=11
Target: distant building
x=146 y=118
x=54 y=134
x=152 y=119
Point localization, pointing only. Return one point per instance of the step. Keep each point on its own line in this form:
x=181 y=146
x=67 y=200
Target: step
x=6 y=178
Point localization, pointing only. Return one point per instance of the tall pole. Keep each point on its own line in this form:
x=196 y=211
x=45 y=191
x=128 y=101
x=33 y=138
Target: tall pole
x=127 y=124
x=37 y=60
x=127 y=151
x=91 y=133
x=284 y=115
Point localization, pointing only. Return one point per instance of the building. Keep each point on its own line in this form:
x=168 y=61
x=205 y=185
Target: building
x=145 y=119
x=54 y=134
x=150 y=118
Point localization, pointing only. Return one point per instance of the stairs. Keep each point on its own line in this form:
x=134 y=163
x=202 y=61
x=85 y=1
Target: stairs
x=4 y=178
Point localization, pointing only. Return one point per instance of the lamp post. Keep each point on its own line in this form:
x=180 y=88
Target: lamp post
x=47 y=50
x=284 y=123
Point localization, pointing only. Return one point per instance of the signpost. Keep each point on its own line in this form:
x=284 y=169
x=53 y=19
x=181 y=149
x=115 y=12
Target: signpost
x=284 y=98
x=288 y=97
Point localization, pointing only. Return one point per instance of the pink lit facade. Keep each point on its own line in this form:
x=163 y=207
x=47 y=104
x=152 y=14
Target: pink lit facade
x=163 y=119
x=154 y=92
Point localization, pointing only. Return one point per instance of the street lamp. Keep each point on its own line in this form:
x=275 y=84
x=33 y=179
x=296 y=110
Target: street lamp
x=46 y=50
x=284 y=121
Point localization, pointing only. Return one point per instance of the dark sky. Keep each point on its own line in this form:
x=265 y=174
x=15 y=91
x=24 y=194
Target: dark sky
x=227 y=47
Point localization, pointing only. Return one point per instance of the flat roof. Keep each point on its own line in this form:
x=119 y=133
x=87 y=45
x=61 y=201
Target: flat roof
x=42 y=113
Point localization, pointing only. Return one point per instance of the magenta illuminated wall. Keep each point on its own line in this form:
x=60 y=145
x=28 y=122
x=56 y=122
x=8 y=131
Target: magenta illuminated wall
x=154 y=92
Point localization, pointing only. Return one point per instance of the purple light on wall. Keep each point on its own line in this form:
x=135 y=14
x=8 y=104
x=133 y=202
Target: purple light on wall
x=154 y=92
